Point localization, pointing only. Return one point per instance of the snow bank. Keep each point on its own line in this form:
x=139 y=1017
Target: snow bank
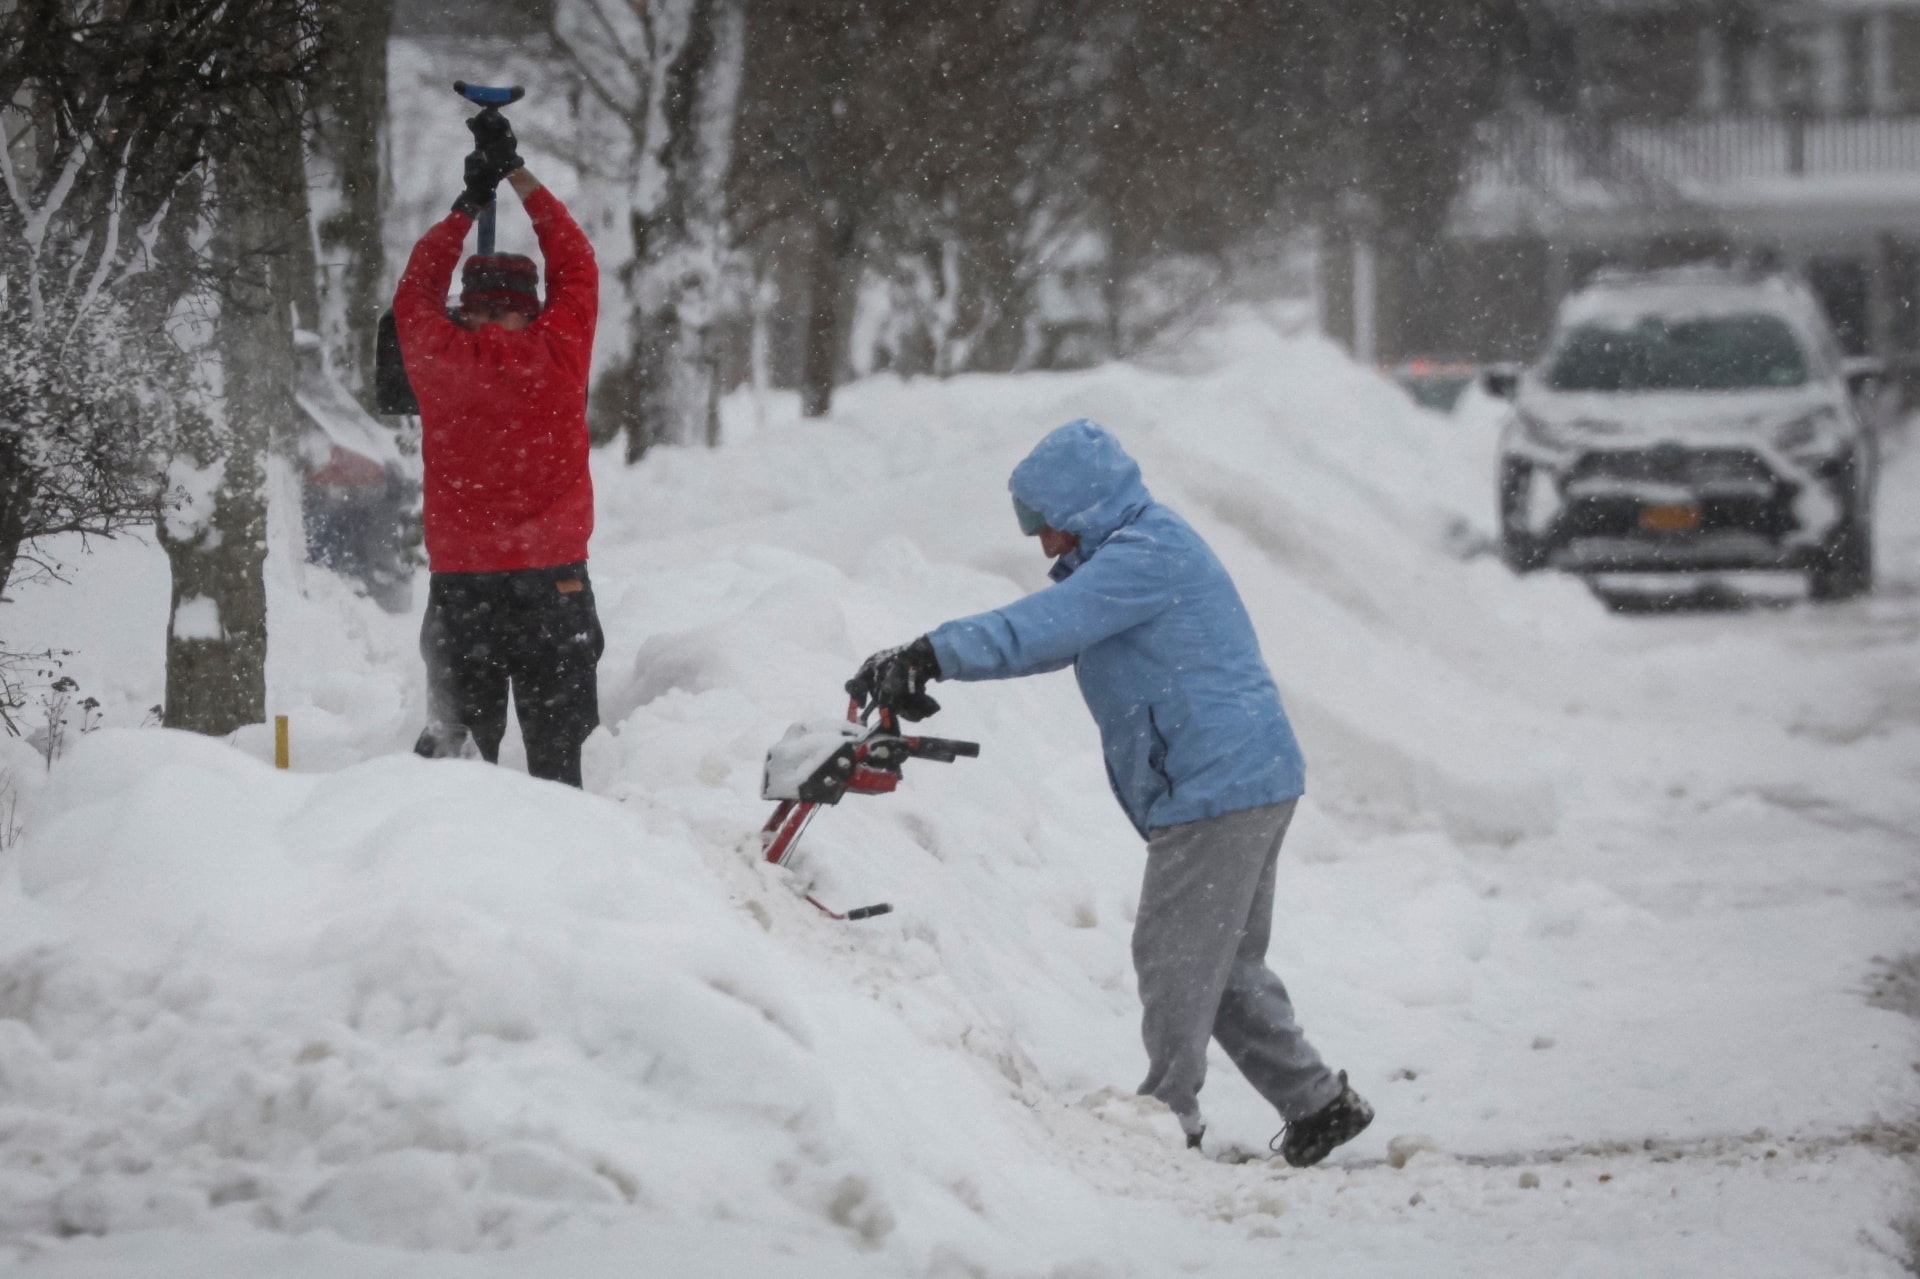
x=436 y=1007
x=444 y=1019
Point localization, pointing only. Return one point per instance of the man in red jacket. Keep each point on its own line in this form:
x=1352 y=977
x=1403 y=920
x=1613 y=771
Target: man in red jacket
x=502 y=385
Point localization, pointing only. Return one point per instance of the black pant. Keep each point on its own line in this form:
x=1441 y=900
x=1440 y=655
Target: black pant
x=534 y=630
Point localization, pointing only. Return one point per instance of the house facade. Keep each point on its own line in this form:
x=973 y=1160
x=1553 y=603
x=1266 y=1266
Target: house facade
x=1778 y=134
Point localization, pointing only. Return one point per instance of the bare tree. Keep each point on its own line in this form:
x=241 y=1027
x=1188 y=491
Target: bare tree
x=951 y=145
x=80 y=426
x=669 y=72
x=263 y=273
x=126 y=121
x=349 y=116
x=75 y=455
x=113 y=109
x=897 y=137
x=810 y=152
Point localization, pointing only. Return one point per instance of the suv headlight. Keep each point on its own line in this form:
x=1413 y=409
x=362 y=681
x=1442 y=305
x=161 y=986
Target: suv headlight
x=1561 y=437
x=1538 y=433
x=1815 y=432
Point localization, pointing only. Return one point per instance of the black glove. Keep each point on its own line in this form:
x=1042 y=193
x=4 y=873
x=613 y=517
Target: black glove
x=481 y=180
x=896 y=679
x=495 y=154
x=493 y=140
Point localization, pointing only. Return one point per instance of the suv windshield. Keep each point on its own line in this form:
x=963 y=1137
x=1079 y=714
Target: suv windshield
x=1656 y=353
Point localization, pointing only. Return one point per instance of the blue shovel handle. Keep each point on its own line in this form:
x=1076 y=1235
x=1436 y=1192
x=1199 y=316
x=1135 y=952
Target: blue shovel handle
x=489 y=96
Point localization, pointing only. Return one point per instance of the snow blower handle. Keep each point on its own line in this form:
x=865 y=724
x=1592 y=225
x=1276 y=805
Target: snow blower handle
x=943 y=749
x=817 y=764
x=894 y=682
x=489 y=98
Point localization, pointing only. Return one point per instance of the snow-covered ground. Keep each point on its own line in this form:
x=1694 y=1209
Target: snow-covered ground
x=1588 y=905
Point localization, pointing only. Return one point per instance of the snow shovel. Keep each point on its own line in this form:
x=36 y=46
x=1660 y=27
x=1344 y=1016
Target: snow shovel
x=392 y=389
x=490 y=99
x=818 y=762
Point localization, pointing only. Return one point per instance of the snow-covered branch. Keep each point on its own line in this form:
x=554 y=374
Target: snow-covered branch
x=109 y=251
x=608 y=41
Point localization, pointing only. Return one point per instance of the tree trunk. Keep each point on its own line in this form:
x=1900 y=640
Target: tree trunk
x=679 y=221
x=217 y=630
x=16 y=492
x=217 y=546
x=830 y=246
x=351 y=102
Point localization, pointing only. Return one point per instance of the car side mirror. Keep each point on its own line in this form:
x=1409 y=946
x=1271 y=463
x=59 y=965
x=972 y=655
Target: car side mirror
x=1865 y=376
x=1501 y=381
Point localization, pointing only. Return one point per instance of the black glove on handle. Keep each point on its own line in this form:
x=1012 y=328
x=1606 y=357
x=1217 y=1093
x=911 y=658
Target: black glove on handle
x=481 y=181
x=494 y=141
x=495 y=154
x=896 y=679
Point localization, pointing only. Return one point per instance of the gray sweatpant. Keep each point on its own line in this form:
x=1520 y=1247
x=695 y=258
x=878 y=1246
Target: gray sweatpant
x=1200 y=950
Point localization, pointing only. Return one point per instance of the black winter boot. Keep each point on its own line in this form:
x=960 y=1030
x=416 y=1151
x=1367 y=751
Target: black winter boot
x=446 y=741
x=1305 y=1142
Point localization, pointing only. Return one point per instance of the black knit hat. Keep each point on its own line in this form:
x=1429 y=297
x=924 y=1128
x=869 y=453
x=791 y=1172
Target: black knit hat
x=500 y=282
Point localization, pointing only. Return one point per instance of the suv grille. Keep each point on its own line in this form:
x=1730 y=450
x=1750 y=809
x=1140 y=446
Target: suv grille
x=1733 y=487
x=1703 y=469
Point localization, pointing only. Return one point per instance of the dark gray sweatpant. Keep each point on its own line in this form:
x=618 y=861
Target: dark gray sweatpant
x=1200 y=950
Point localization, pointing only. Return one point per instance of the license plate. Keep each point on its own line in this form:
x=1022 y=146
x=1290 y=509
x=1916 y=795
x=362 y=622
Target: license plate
x=1670 y=519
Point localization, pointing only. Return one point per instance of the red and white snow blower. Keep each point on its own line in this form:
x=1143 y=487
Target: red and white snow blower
x=819 y=761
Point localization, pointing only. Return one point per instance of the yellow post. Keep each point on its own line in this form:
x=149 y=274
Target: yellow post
x=281 y=757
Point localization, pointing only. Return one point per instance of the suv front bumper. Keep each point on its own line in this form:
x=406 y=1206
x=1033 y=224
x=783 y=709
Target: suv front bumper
x=1677 y=508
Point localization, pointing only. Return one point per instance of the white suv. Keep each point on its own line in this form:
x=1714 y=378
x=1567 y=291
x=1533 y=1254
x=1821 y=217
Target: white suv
x=1692 y=420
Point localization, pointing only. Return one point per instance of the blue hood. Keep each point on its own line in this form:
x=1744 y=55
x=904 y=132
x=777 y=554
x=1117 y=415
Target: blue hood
x=1084 y=483
x=1191 y=725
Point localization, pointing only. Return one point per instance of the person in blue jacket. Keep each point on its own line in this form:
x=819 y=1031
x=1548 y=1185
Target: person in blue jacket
x=1198 y=751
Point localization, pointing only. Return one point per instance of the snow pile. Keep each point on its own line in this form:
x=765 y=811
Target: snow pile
x=433 y=1007
x=292 y=1023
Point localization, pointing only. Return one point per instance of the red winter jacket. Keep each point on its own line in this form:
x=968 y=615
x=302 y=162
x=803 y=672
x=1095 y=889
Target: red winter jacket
x=504 y=415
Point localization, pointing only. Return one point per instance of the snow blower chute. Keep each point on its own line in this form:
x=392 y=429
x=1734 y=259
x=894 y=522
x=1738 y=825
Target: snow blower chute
x=818 y=762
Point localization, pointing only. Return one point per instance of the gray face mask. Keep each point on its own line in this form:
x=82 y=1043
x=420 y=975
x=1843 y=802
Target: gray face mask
x=1031 y=521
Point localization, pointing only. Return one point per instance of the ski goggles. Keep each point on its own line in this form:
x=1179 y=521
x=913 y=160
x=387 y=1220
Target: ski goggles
x=1031 y=521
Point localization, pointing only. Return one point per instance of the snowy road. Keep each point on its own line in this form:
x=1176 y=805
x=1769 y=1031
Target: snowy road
x=1592 y=907
x=1710 y=1091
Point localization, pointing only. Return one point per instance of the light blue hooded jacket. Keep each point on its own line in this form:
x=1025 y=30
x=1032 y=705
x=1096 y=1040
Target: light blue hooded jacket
x=1190 y=720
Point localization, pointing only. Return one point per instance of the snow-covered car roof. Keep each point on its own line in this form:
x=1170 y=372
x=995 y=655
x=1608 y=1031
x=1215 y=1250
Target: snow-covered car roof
x=1622 y=300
